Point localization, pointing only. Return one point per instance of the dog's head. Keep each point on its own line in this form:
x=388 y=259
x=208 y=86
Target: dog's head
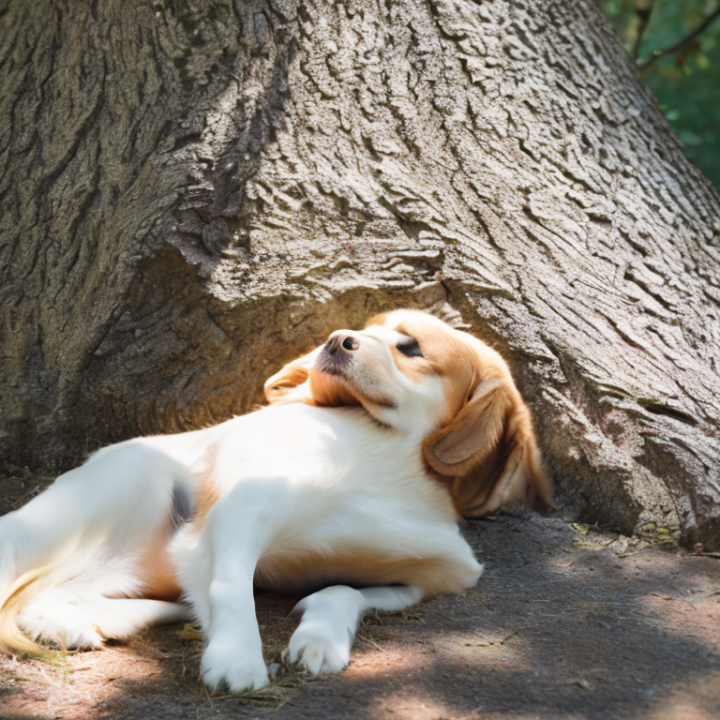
x=411 y=371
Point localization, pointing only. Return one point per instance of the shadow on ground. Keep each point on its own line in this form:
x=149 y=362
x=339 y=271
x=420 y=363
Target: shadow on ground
x=561 y=625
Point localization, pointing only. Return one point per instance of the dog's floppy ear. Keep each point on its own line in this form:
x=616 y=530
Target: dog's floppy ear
x=292 y=383
x=488 y=454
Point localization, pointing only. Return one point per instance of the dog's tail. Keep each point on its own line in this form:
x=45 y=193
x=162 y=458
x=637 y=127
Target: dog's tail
x=22 y=592
x=38 y=544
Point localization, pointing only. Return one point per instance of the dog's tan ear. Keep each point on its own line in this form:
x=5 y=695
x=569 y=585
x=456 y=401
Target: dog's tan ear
x=291 y=384
x=488 y=454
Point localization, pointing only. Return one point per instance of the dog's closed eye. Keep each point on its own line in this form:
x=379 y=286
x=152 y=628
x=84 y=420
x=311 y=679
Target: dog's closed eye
x=409 y=347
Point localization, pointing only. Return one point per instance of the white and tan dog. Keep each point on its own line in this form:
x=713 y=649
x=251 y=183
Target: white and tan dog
x=355 y=476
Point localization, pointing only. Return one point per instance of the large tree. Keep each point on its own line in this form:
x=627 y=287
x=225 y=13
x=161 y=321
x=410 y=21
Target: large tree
x=193 y=192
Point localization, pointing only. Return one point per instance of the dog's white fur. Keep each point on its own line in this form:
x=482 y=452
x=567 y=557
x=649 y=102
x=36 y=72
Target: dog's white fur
x=357 y=473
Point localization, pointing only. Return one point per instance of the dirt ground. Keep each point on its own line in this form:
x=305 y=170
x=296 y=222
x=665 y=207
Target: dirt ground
x=567 y=622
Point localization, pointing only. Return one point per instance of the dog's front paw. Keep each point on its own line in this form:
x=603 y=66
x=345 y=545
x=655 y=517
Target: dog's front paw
x=324 y=638
x=318 y=650
x=225 y=665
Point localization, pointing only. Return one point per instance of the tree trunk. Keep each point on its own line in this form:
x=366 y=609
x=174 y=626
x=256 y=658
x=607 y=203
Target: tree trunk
x=193 y=192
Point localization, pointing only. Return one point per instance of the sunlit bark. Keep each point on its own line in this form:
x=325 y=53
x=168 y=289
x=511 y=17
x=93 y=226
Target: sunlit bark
x=193 y=192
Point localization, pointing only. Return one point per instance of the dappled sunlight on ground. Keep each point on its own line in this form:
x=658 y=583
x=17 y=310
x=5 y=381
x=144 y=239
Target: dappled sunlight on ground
x=83 y=687
x=412 y=704
x=691 y=698
x=687 y=616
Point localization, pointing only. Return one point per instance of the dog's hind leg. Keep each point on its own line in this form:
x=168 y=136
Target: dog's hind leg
x=118 y=499
x=330 y=617
x=96 y=515
x=73 y=619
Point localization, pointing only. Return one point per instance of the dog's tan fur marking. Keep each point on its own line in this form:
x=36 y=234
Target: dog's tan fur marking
x=358 y=566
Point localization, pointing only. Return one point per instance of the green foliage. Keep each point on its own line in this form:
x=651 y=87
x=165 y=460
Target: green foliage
x=686 y=81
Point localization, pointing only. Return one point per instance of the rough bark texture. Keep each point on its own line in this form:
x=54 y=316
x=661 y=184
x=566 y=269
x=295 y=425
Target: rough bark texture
x=193 y=192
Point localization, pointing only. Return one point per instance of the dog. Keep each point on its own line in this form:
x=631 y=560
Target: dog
x=349 y=485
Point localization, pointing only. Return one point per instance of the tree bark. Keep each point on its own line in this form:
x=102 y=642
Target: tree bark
x=192 y=193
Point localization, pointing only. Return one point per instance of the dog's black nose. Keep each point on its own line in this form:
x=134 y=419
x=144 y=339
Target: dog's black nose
x=341 y=342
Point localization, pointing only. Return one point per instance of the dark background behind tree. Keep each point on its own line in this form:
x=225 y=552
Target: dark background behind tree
x=685 y=78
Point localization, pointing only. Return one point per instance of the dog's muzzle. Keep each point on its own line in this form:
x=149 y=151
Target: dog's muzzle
x=337 y=352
